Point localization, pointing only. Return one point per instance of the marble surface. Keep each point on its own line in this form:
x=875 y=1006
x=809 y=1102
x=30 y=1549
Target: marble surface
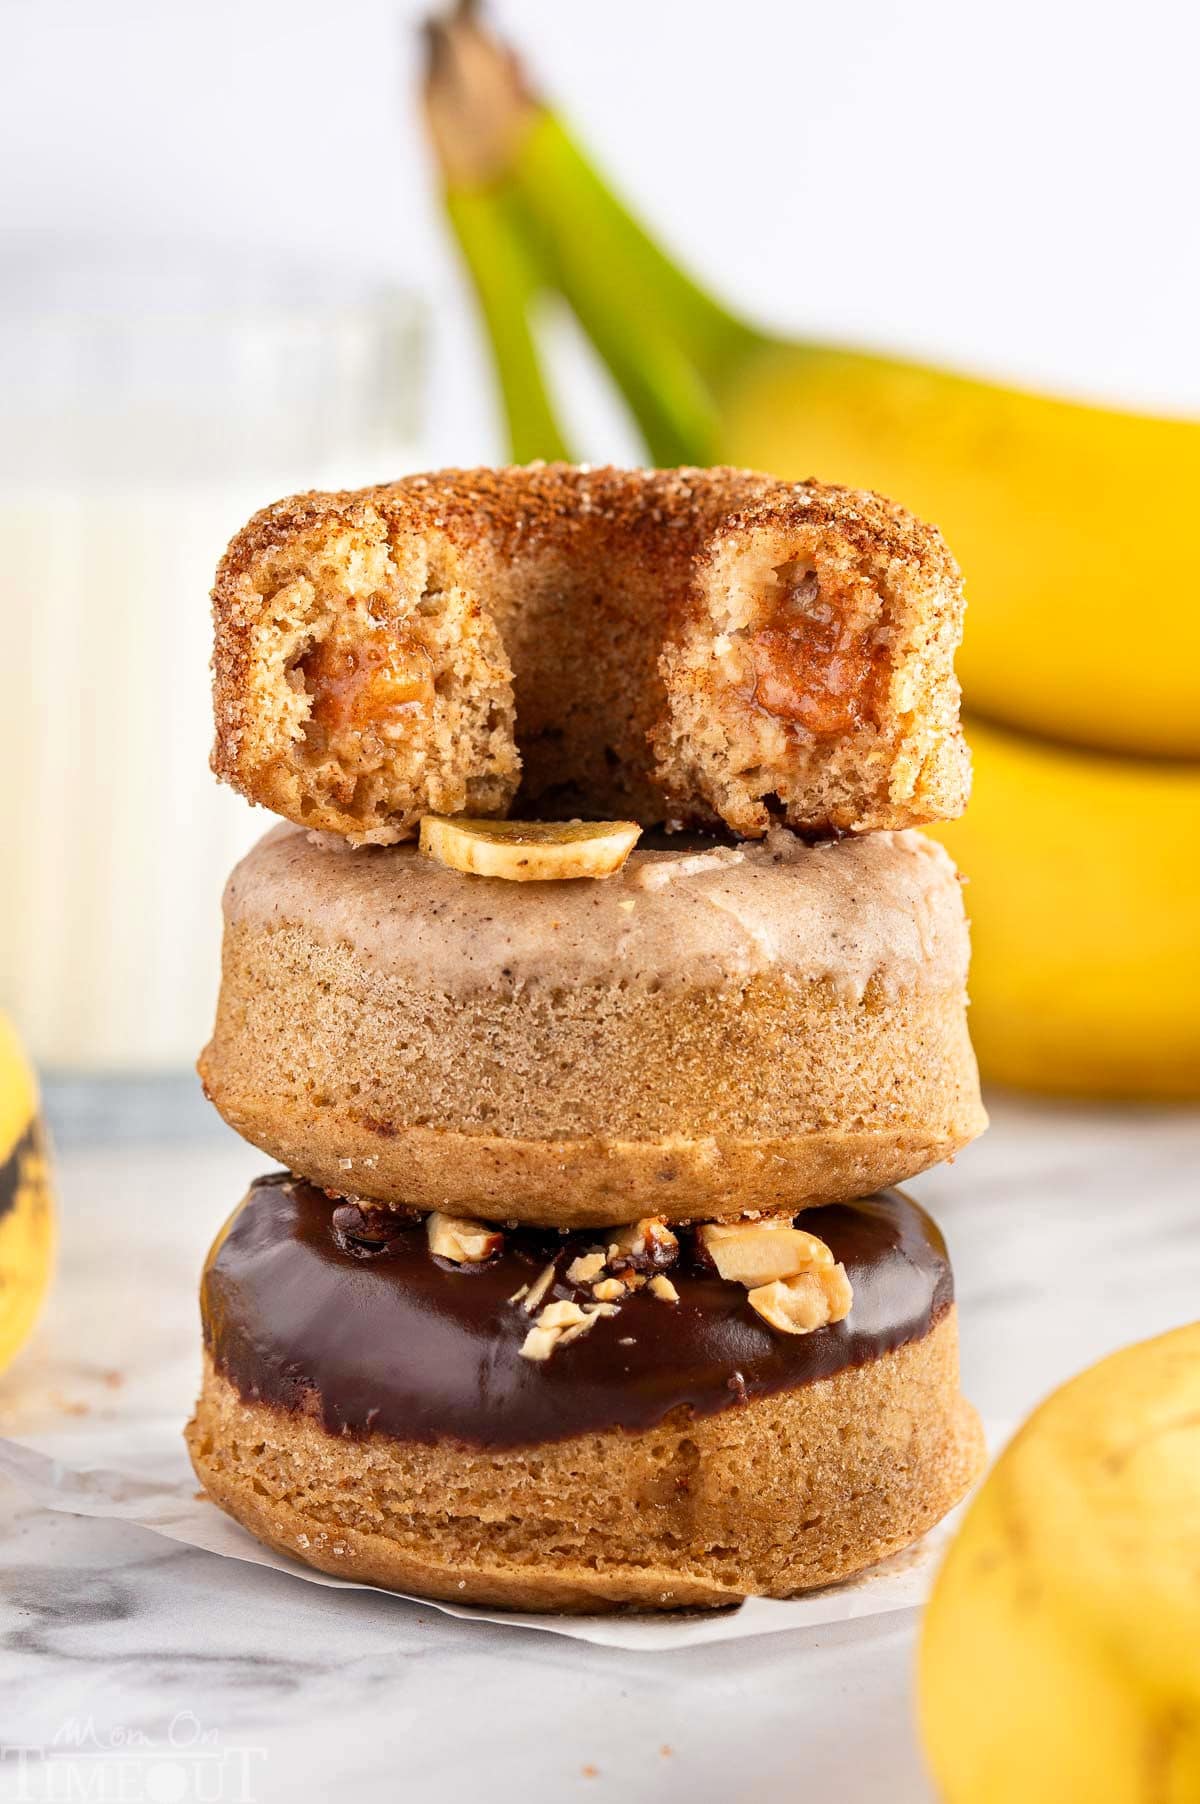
x=162 y=1673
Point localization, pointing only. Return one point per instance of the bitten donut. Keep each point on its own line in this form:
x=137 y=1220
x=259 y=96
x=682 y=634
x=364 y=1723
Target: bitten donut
x=712 y=1030
x=477 y=1415
x=676 y=646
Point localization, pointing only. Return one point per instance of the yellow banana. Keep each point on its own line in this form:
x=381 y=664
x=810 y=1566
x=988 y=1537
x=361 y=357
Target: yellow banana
x=1073 y=523
x=1060 y=1652
x=26 y=1207
x=1084 y=897
x=1073 y=527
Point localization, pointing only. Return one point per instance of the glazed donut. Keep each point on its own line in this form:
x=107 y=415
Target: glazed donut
x=714 y=1029
x=374 y=1409
x=676 y=646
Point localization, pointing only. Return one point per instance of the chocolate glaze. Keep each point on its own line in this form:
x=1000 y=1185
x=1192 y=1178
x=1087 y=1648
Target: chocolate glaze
x=12 y=1169
x=406 y=1345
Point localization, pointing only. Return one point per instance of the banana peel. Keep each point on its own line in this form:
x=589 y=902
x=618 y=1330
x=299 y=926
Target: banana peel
x=1084 y=898
x=1073 y=525
x=1072 y=522
x=1060 y=1651
x=26 y=1203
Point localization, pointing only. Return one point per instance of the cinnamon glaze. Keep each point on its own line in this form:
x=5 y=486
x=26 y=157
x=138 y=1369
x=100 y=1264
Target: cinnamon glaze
x=379 y=1336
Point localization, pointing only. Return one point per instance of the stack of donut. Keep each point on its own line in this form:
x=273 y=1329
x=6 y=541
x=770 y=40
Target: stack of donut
x=593 y=995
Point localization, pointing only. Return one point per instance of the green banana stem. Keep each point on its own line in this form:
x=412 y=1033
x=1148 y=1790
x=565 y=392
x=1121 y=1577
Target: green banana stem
x=507 y=288
x=669 y=346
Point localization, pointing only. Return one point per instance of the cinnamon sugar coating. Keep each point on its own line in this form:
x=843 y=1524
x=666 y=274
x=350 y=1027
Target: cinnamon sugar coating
x=683 y=645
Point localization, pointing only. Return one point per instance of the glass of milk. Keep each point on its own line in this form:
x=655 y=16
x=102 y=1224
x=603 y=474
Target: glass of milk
x=151 y=404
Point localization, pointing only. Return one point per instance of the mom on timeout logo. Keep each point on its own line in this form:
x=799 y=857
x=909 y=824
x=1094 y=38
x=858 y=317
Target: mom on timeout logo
x=83 y=1764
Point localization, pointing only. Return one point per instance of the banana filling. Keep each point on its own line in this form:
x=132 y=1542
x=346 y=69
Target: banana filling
x=812 y=665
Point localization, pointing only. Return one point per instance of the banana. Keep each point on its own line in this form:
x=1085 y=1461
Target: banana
x=1060 y=1652
x=1084 y=896
x=1070 y=522
x=1073 y=523
x=26 y=1206
x=528 y=851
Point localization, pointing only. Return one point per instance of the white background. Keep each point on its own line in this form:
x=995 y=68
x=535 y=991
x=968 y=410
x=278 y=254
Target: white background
x=1011 y=188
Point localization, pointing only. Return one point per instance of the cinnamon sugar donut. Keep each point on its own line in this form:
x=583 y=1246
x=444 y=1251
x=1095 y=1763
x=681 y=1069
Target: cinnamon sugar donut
x=714 y=1029
x=368 y=1408
x=687 y=646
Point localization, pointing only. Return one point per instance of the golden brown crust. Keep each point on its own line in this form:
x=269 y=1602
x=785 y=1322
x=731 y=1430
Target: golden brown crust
x=701 y=1034
x=584 y=1110
x=601 y=592
x=845 y=1471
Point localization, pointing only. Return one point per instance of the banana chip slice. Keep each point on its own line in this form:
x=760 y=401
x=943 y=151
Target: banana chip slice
x=528 y=851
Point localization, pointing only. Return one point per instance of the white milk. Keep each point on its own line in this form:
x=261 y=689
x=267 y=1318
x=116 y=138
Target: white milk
x=112 y=519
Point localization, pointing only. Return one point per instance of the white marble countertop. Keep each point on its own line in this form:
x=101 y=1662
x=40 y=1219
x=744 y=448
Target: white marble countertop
x=184 y=1675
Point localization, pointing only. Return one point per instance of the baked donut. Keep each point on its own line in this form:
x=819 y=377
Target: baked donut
x=714 y=1029
x=680 y=646
x=382 y=1411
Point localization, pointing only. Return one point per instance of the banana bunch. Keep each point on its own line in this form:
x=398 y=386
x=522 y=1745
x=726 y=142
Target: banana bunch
x=26 y=1207
x=1060 y=1652
x=1072 y=523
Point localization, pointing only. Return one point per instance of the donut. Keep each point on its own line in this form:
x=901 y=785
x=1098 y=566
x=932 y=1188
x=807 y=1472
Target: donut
x=676 y=646
x=373 y=1408
x=713 y=1030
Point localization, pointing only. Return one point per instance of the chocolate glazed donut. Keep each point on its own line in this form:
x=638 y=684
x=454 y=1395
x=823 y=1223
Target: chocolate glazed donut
x=378 y=1335
x=689 y=646
x=368 y=1409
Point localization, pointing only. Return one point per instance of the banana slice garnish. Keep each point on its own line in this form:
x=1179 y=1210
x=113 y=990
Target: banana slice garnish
x=528 y=851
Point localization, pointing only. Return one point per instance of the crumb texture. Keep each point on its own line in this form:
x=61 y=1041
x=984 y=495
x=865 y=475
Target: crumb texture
x=679 y=645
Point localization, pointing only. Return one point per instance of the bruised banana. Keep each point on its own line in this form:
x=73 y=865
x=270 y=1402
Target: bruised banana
x=1073 y=523
x=26 y=1206
x=1060 y=1651
x=528 y=851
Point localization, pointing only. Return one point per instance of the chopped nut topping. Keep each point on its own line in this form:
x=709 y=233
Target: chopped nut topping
x=537 y=1290
x=539 y=1343
x=464 y=1241
x=367 y=1231
x=560 y=1315
x=758 y=1252
x=609 y=1290
x=663 y=1289
x=560 y=1323
x=591 y=1317
x=808 y=1301
x=585 y=1268
x=645 y=1245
